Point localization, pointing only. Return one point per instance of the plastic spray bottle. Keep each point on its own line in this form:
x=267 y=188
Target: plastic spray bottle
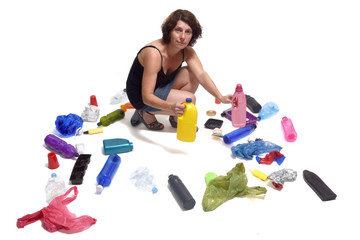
x=238 y=111
x=288 y=129
x=186 y=128
x=60 y=147
x=108 y=172
x=112 y=117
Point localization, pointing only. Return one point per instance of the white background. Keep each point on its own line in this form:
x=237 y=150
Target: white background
x=302 y=55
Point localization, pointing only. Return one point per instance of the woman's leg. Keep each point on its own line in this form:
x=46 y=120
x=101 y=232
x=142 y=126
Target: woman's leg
x=185 y=86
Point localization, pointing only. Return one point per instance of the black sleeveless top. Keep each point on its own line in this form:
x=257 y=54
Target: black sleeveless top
x=134 y=81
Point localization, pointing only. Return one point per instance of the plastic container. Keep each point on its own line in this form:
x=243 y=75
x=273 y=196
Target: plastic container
x=238 y=108
x=187 y=123
x=143 y=180
x=117 y=145
x=107 y=173
x=180 y=192
x=288 y=129
x=54 y=187
x=60 y=147
x=238 y=134
x=112 y=117
x=252 y=104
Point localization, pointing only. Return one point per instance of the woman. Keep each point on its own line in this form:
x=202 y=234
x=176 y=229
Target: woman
x=157 y=81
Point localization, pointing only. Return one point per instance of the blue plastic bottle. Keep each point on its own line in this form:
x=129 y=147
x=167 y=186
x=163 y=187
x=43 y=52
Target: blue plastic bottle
x=238 y=134
x=108 y=172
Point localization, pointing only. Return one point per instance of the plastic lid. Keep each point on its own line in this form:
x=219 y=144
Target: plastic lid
x=154 y=190
x=99 y=189
x=239 y=88
x=53 y=175
x=188 y=100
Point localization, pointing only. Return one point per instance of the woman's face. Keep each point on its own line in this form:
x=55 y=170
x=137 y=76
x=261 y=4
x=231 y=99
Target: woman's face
x=181 y=34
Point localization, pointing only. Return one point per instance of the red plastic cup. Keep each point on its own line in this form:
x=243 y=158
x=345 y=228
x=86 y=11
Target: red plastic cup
x=52 y=161
x=93 y=100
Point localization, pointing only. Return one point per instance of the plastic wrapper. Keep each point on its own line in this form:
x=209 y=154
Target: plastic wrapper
x=250 y=149
x=56 y=216
x=67 y=125
x=224 y=188
x=282 y=176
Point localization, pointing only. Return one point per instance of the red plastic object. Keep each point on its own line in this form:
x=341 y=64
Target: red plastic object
x=93 y=101
x=278 y=186
x=52 y=161
x=217 y=101
x=56 y=216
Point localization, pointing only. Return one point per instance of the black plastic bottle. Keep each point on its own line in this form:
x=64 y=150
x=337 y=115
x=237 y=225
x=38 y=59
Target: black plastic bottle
x=180 y=192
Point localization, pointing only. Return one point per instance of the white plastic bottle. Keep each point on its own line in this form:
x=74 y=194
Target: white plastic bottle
x=55 y=187
x=143 y=180
x=238 y=111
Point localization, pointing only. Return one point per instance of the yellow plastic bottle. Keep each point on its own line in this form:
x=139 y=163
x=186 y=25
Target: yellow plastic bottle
x=187 y=123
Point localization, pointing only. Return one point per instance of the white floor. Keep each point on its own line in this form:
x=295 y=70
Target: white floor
x=304 y=56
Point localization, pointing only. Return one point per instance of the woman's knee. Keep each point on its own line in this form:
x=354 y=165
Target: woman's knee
x=185 y=80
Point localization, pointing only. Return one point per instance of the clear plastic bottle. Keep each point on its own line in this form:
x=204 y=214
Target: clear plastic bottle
x=143 y=180
x=108 y=172
x=187 y=123
x=288 y=129
x=238 y=108
x=54 y=187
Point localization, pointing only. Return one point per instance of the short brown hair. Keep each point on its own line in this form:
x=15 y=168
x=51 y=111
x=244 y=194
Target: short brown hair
x=185 y=16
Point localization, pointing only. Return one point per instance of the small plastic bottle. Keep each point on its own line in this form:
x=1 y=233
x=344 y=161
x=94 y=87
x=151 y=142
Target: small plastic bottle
x=108 y=172
x=180 y=192
x=268 y=110
x=238 y=108
x=187 y=123
x=60 y=147
x=117 y=145
x=288 y=129
x=112 y=117
x=143 y=180
x=55 y=187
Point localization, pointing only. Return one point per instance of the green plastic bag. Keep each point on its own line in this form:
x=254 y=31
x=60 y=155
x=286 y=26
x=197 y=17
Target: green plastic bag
x=224 y=188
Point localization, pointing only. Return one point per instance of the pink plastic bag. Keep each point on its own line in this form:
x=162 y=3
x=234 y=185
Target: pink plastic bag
x=56 y=216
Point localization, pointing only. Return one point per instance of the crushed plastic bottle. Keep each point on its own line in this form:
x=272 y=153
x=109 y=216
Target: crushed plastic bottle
x=54 y=188
x=143 y=180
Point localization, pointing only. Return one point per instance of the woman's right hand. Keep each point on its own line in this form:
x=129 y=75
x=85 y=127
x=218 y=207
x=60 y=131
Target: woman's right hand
x=178 y=109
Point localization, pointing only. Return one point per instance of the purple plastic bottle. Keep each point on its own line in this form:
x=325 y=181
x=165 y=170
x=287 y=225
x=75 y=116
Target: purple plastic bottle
x=60 y=147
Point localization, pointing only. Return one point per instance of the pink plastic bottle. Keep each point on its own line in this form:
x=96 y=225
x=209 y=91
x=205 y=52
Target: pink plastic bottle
x=288 y=129
x=238 y=109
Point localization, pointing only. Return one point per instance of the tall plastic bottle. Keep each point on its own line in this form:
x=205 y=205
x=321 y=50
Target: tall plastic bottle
x=108 y=172
x=112 y=117
x=181 y=193
x=238 y=134
x=187 y=123
x=288 y=129
x=238 y=108
x=60 y=147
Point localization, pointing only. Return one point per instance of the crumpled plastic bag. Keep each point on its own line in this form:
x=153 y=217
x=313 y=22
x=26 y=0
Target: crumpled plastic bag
x=224 y=188
x=57 y=217
x=257 y=147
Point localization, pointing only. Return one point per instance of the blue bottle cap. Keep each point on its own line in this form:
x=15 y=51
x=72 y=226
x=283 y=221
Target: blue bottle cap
x=188 y=100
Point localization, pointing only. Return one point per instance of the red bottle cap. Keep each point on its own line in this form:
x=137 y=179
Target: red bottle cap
x=217 y=101
x=93 y=101
x=52 y=161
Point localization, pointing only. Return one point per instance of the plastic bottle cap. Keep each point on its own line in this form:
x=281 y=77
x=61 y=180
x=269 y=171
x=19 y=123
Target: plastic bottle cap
x=154 y=190
x=239 y=88
x=99 y=189
x=53 y=175
x=188 y=100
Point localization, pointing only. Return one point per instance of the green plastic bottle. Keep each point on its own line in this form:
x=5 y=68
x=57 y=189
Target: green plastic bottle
x=116 y=115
